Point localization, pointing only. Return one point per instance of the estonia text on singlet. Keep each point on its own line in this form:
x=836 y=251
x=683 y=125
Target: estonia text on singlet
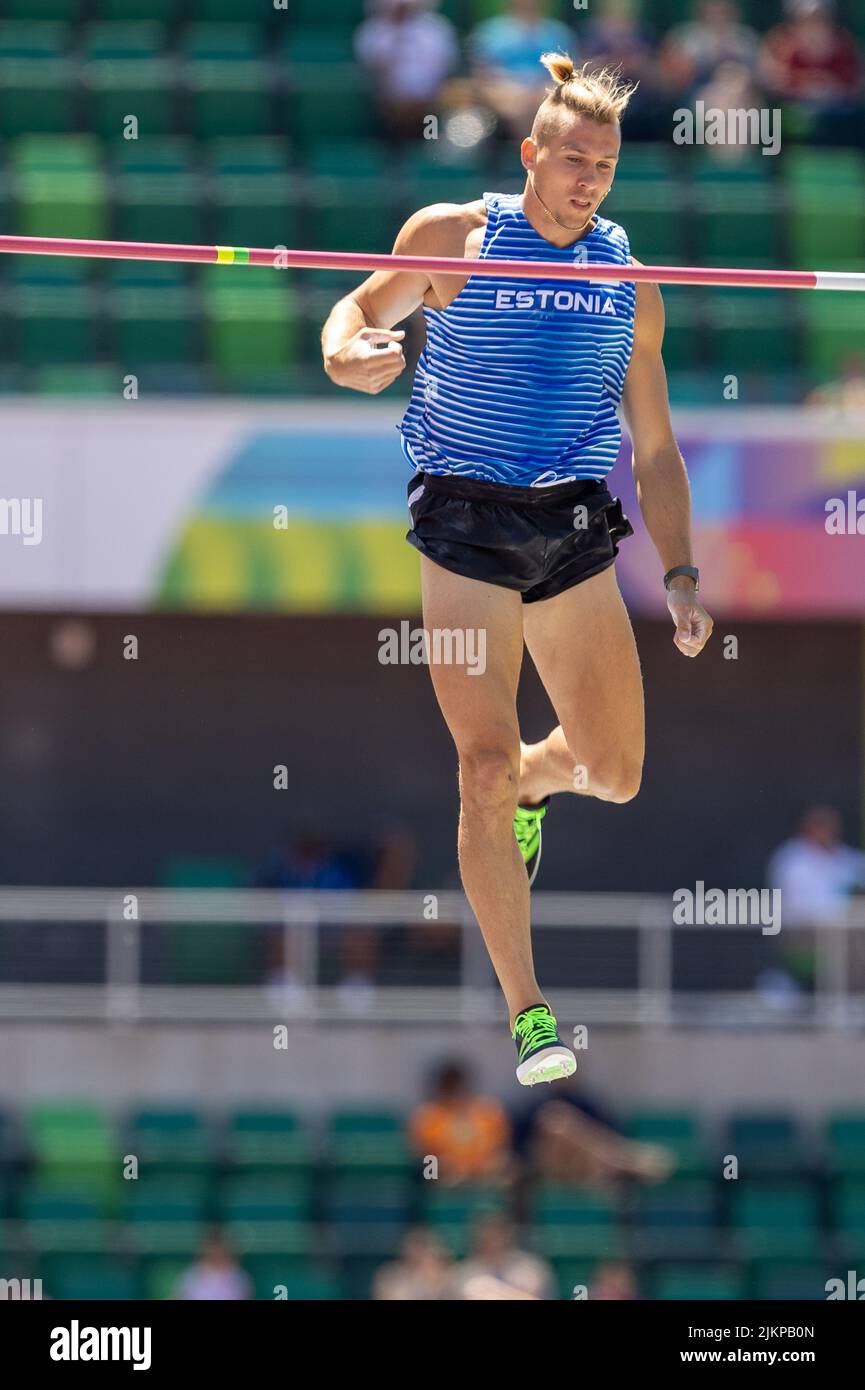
x=520 y=379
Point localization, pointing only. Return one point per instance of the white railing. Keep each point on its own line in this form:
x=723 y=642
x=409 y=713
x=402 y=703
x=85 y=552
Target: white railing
x=125 y=915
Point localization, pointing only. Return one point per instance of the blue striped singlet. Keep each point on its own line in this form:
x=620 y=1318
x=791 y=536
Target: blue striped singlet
x=520 y=380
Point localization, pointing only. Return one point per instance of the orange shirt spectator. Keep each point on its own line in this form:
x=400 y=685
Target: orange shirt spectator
x=468 y=1134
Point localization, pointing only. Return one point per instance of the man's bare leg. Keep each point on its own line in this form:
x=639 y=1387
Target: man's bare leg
x=583 y=647
x=480 y=711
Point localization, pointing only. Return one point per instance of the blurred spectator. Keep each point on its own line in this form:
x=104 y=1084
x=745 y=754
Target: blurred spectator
x=691 y=52
x=614 y=38
x=505 y=56
x=408 y=51
x=215 y=1276
x=848 y=392
x=614 y=1280
x=815 y=64
x=565 y=1137
x=816 y=874
x=468 y=1134
x=730 y=88
x=421 y=1272
x=497 y=1269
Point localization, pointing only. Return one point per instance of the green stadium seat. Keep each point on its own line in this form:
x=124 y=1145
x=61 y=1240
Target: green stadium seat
x=678 y=1130
x=265 y=1198
x=33 y=41
x=39 y=1200
x=207 y=953
x=154 y=325
x=169 y=1140
x=249 y=1237
x=784 y=1281
x=160 y=1276
x=291 y=1274
x=827 y=191
x=848 y=1215
x=765 y=1141
x=776 y=1220
x=341 y=14
x=97 y=1277
x=59 y=186
x=256 y=209
x=218 y=43
x=351 y=214
x=575 y=1224
x=70 y=1136
x=252 y=329
x=159 y=1199
x=696 y=1281
x=75 y=379
x=833 y=331
x=166 y=1242
x=845 y=1142
x=123 y=40
x=37 y=91
x=165 y=10
x=268 y=1140
x=158 y=204
x=320 y=45
x=358 y=159
x=750 y=332
x=232 y=10
x=36 y=11
x=228 y=98
x=685 y=347
x=652 y=216
x=570 y=1273
x=368 y=1140
x=676 y=1220
x=118 y=89
x=739 y=220
x=366 y=1213
x=315 y=115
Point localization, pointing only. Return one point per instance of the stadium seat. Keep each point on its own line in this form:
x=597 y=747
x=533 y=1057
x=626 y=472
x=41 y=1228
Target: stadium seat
x=36 y=11
x=228 y=86
x=36 y=78
x=845 y=1142
x=268 y=1141
x=356 y=159
x=367 y=1211
x=59 y=187
x=785 y=1281
x=158 y=191
x=696 y=1281
x=70 y=1137
x=676 y=1220
x=848 y=1216
x=155 y=324
x=342 y=14
x=833 y=331
x=750 y=332
x=165 y=10
x=320 y=45
x=252 y=330
x=575 y=1224
x=97 y=1277
x=351 y=214
x=115 y=40
x=313 y=112
x=368 y=1140
x=169 y=1141
x=675 y=1129
x=256 y=208
x=265 y=1198
x=765 y=1141
x=290 y=1277
x=165 y=1199
x=775 y=1220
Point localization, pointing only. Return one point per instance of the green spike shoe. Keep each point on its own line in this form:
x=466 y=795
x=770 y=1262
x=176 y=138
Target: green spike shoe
x=541 y=1054
x=527 y=829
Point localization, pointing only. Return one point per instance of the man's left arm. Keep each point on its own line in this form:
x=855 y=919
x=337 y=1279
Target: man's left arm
x=659 y=469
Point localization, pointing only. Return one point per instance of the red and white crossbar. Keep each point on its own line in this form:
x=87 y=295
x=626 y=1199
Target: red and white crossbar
x=282 y=259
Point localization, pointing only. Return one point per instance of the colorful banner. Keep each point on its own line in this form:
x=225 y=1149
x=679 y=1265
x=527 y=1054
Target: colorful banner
x=223 y=506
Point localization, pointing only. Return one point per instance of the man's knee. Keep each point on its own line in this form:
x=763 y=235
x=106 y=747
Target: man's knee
x=614 y=779
x=490 y=776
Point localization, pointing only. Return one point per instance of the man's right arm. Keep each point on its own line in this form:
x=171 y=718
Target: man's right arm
x=364 y=319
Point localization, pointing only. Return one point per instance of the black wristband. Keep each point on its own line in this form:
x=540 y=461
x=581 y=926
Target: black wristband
x=690 y=570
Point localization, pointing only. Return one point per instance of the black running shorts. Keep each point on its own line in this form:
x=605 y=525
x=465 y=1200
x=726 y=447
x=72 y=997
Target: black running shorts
x=539 y=540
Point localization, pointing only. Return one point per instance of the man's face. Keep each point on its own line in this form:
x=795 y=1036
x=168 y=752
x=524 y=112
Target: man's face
x=574 y=169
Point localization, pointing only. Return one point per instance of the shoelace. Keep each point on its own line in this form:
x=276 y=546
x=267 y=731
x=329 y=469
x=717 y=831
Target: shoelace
x=536 y=1027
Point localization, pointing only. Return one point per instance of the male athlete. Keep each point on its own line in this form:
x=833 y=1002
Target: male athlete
x=511 y=429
